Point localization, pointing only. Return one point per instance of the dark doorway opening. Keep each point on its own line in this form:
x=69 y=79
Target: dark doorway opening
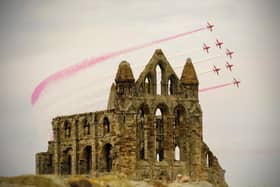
x=68 y=165
x=108 y=157
x=88 y=158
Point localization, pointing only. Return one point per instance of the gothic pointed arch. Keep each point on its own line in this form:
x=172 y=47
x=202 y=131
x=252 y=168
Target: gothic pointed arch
x=160 y=74
x=106 y=125
x=177 y=152
x=208 y=159
x=147 y=85
x=160 y=114
x=158 y=70
x=86 y=127
x=67 y=129
x=172 y=84
x=163 y=107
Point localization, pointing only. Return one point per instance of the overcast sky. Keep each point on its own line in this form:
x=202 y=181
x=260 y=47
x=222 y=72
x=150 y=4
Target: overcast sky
x=37 y=39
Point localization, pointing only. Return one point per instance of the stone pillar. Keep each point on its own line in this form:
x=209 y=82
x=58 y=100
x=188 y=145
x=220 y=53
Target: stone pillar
x=56 y=159
x=169 y=143
x=150 y=151
x=128 y=146
x=93 y=148
x=164 y=88
x=168 y=139
x=38 y=164
x=74 y=147
x=92 y=169
x=146 y=150
x=196 y=148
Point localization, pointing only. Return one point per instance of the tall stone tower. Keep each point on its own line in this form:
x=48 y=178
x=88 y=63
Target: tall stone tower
x=152 y=129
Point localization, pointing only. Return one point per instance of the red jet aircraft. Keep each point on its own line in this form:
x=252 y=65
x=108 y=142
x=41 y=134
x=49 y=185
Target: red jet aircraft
x=210 y=26
x=219 y=43
x=236 y=82
x=205 y=47
x=216 y=70
x=229 y=66
x=229 y=53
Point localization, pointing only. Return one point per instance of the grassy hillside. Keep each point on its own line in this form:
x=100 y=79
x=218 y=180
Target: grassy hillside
x=86 y=181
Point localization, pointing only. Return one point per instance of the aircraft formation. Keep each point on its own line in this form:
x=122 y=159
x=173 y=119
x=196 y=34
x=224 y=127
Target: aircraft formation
x=229 y=53
x=90 y=62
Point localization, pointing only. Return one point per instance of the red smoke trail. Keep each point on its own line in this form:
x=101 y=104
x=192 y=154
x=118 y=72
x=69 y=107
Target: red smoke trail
x=87 y=63
x=214 y=87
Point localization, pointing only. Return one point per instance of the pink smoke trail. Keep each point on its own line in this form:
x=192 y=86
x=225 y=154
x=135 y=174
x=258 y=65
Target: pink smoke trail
x=214 y=87
x=85 y=64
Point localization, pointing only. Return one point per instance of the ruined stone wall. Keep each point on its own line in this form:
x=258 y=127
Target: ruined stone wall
x=107 y=137
x=214 y=173
x=71 y=135
x=45 y=160
x=180 y=131
x=44 y=163
x=79 y=140
x=146 y=132
x=186 y=134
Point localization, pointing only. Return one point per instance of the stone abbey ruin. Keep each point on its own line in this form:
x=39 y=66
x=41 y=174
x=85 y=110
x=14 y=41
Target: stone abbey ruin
x=146 y=132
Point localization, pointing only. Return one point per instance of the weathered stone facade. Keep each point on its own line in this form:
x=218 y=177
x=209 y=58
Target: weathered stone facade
x=146 y=132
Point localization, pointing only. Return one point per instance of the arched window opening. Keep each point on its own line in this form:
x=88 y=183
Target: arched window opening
x=108 y=157
x=95 y=119
x=140 y=134
x=106 y=125
x=148 y=85
x=171 y=85
x=158 y=112
x=159 y=79
x=208 y=160
x=120 y=90
x=67 y=129
x=86 y=128
x=88 y=158
x=66 y=167
x=159 y=134
x=170 y=89
x=146 y=80
x=177 y=152
x=179 y=113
